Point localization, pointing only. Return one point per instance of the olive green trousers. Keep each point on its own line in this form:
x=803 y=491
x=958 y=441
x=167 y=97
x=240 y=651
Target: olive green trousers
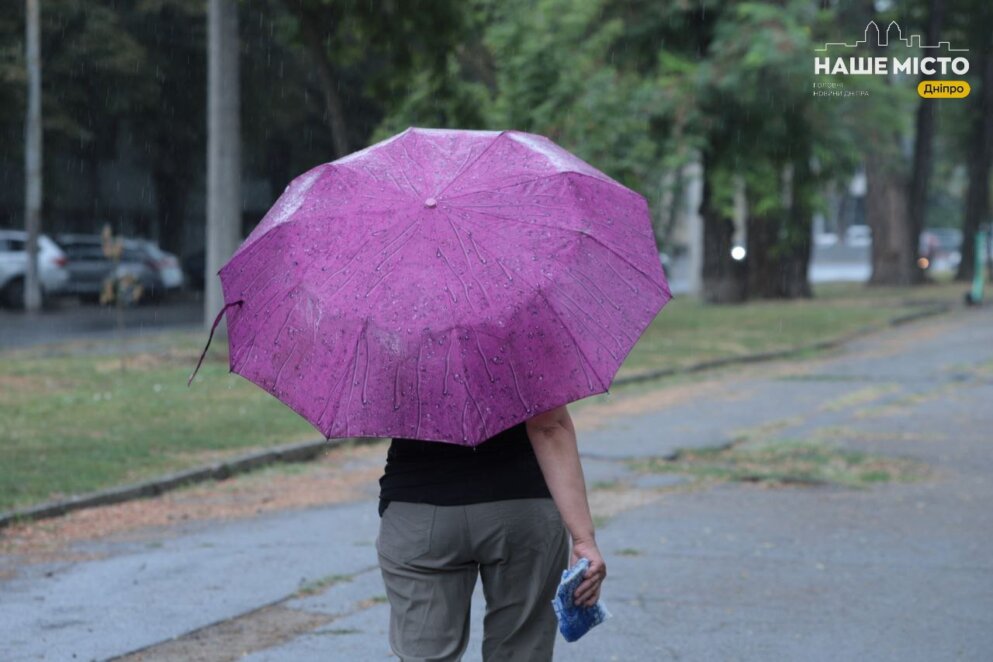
x=431 y=556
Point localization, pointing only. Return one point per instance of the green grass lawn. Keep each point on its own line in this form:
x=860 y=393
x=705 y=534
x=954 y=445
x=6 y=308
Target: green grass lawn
x=689 y=332
x=73 y=421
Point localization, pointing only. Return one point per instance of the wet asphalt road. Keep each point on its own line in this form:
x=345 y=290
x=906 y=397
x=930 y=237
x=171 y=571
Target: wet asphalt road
x=901 y=571
x=68 y=319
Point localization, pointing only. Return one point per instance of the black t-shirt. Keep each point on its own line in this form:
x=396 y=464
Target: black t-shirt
x=502 y=467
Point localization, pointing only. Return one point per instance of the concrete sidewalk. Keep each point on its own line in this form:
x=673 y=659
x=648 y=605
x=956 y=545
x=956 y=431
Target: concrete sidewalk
x=735 y=572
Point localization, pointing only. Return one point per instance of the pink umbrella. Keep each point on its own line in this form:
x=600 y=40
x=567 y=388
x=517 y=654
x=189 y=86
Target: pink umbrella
x=442 y=285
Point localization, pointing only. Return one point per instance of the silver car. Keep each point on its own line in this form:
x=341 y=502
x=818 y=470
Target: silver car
x=14 y=265
x=142 y=261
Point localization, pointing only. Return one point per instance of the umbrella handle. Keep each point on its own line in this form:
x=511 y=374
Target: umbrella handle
x=217 y=320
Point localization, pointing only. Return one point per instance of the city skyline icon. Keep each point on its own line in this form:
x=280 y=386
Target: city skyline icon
x=873 y=36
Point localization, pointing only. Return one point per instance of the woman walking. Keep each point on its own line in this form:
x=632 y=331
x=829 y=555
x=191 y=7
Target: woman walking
x=500 y=512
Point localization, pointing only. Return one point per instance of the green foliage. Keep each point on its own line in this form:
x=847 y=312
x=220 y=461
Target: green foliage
x=553 y=73
x=637 y=87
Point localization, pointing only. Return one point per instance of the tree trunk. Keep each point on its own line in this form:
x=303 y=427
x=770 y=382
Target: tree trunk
x=723 y=278
x=223 y=148
x=894 y=256
x=762 y=256
x=886 y=215
x=980 y=158
x=923 y=152
x=795 y=266
x=32 y=155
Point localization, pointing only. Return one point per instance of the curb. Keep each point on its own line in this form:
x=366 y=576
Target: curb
x=310 y=450
x=300 y=452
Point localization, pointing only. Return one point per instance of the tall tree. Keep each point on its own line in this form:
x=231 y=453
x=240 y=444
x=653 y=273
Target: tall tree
x=894 y=247
x=920 y=174
x=223 y=147
x=979 y=149
x=32 y=154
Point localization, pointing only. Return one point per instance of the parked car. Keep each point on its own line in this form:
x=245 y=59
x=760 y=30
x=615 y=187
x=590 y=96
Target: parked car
x=14 y=265
x=166 y=264
x=156 y=271
x=825 y=239
x=858 y=235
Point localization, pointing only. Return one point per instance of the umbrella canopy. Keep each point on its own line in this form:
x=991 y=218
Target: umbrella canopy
x=442 y=285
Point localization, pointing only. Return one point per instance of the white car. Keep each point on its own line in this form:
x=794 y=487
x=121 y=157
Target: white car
x=52 y=270
x=166 y=264
x=825 y=239
x=858 y=235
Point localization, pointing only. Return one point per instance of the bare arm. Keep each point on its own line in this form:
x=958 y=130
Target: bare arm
x=553 y=437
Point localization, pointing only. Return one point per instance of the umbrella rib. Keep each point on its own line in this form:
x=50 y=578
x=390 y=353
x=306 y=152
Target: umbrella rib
x=466 y=168
x=461 y=169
